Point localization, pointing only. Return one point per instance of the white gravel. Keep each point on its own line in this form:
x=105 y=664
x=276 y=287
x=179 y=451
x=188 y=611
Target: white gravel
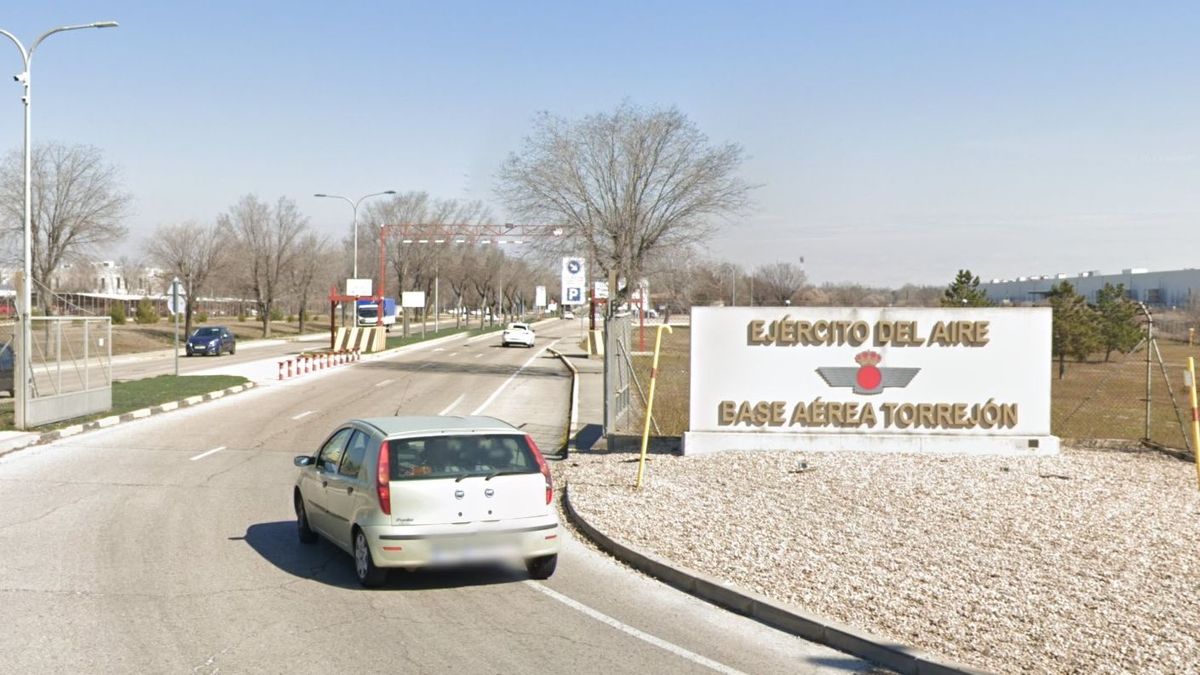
x=1082 y=563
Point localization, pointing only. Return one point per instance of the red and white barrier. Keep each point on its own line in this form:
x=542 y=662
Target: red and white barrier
x=307 y=363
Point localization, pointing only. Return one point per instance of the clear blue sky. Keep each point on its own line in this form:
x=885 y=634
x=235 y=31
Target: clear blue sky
x=895 y=142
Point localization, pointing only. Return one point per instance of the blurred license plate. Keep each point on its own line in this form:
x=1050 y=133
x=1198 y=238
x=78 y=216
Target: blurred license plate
x=469 y=551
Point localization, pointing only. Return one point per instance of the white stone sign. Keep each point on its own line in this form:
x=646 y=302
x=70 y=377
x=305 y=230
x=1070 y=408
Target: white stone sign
x=887 y=379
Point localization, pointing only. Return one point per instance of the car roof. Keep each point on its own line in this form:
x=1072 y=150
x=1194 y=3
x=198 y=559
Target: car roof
x=414 y=424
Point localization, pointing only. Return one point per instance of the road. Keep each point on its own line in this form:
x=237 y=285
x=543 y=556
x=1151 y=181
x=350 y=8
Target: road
x=168 y=545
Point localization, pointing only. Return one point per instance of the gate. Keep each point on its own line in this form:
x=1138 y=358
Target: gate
x=618 y=376
x=70 y=369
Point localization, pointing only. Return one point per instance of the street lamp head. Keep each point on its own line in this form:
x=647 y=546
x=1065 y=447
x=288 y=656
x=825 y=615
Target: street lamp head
x=389 y=192
x=105 y=24
x=319 y=194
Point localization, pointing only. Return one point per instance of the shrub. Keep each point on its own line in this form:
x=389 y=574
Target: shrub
x=117 y=313
x=290 y=318
x=276 y=314
x=241 y=316
x=201 y=317
x=146 y=313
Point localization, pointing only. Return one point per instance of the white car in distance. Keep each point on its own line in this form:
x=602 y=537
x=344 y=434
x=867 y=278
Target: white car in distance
x=517 y=334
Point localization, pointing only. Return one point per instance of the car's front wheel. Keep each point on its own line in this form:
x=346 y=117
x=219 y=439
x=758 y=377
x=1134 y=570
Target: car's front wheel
x=233 y=349
x=364 y=565
x=305 y=532
x=543 y=567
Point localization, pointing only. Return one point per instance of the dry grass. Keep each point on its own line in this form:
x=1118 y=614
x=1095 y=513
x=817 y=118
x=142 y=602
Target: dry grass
x=1094 y=399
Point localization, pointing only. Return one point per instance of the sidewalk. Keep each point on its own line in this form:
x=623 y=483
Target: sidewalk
x=587 y=409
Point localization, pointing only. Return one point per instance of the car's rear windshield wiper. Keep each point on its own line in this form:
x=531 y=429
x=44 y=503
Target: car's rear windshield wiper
x=461 y=476
x=507 y=472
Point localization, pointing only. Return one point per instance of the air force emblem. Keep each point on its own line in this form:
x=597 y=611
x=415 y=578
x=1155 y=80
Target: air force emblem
x=868 y=378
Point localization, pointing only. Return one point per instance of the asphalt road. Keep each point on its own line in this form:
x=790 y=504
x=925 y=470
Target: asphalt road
x=168 y=545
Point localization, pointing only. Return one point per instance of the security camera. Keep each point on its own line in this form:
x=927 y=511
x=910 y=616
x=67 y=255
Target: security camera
x=21 y=77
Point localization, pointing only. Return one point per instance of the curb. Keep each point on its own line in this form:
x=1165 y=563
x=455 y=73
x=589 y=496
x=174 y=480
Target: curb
x=573 y=417
x=902 y=659
x=113 y=420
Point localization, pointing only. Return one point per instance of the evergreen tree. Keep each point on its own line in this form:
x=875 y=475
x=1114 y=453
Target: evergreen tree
x=1076 y=332
x=1119 y=329
x=964 y=292
x=146 y=313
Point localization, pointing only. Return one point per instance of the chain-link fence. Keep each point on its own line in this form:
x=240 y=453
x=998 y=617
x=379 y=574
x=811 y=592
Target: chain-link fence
x=1139 y=396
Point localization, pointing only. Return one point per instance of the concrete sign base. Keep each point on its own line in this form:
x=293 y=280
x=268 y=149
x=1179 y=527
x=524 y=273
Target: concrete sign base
x=706 y=442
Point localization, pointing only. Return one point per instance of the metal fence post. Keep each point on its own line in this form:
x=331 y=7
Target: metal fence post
x=1149 y=359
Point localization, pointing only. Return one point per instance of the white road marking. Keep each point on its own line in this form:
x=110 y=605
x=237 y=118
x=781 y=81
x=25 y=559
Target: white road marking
x=454 y=355
x=306 y=413
x=478 y=356
x=440 y=349
x=206 y=454
x=451 y=406
x=384 y=383
x=507 y=382
x=630 y=630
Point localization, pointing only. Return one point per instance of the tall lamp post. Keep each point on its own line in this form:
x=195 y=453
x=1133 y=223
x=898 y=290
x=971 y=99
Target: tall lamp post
x=354 y=205
x=24 y=362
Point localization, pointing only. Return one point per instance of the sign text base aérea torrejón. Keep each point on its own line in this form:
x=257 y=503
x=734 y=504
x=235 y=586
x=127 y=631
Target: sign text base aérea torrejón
x=873 y=379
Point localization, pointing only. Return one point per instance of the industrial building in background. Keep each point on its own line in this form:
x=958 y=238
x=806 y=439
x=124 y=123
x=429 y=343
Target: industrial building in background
x=1173 y=289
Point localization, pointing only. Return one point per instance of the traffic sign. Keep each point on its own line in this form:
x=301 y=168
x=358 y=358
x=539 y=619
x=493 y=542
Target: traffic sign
x=574 y=280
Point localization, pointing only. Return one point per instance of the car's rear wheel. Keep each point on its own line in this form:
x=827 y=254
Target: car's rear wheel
x=543 y=567
x=305 y=532
x=364 y=565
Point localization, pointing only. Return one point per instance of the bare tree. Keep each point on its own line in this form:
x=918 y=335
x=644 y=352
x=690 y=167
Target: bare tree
x=77 y=205
x=194 y=254
x=268 y=239
x=778 y=282
x=625 y=184
x=315 y=255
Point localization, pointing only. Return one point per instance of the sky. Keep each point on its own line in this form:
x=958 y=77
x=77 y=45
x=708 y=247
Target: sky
x=890 y=143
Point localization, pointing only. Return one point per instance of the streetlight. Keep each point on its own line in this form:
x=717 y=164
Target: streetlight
x=354 y=205
x=24 y=363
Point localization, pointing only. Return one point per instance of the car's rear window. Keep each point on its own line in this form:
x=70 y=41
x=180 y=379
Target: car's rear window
x=449 y=455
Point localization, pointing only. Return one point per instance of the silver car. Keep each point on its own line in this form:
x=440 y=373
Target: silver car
x=411 y=492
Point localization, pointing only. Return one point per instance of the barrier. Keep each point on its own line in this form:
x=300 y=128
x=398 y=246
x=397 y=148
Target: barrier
x=310 y=363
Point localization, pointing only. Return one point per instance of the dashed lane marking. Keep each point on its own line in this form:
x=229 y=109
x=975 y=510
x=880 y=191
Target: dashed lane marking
x=451 y=406
x=306 y=413
x=206 y=454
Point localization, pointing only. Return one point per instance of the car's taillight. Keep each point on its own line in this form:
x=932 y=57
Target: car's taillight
x=383 y=475
x=543 y=467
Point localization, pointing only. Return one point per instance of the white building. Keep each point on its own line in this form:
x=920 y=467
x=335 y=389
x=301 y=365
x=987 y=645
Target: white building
x=1174 y=288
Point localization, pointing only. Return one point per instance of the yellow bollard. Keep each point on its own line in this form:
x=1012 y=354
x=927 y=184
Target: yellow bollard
x=650 y=403
x=1195 y=418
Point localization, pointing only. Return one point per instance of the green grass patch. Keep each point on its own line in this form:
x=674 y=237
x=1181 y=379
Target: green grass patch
x=136 y=394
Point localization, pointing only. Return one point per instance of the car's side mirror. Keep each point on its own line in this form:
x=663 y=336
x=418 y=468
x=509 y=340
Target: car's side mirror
x=303 y=460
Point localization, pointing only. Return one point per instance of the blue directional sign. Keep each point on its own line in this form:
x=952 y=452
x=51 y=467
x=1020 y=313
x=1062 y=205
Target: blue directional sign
x=574 y=280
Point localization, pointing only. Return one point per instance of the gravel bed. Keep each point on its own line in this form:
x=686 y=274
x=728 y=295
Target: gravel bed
x=1087 y=562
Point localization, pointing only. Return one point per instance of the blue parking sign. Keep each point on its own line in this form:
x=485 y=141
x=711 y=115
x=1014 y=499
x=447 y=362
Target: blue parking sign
x=574 y=294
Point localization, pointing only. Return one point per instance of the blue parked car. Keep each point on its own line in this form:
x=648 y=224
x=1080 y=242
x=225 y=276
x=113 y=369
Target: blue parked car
x=211 y=340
